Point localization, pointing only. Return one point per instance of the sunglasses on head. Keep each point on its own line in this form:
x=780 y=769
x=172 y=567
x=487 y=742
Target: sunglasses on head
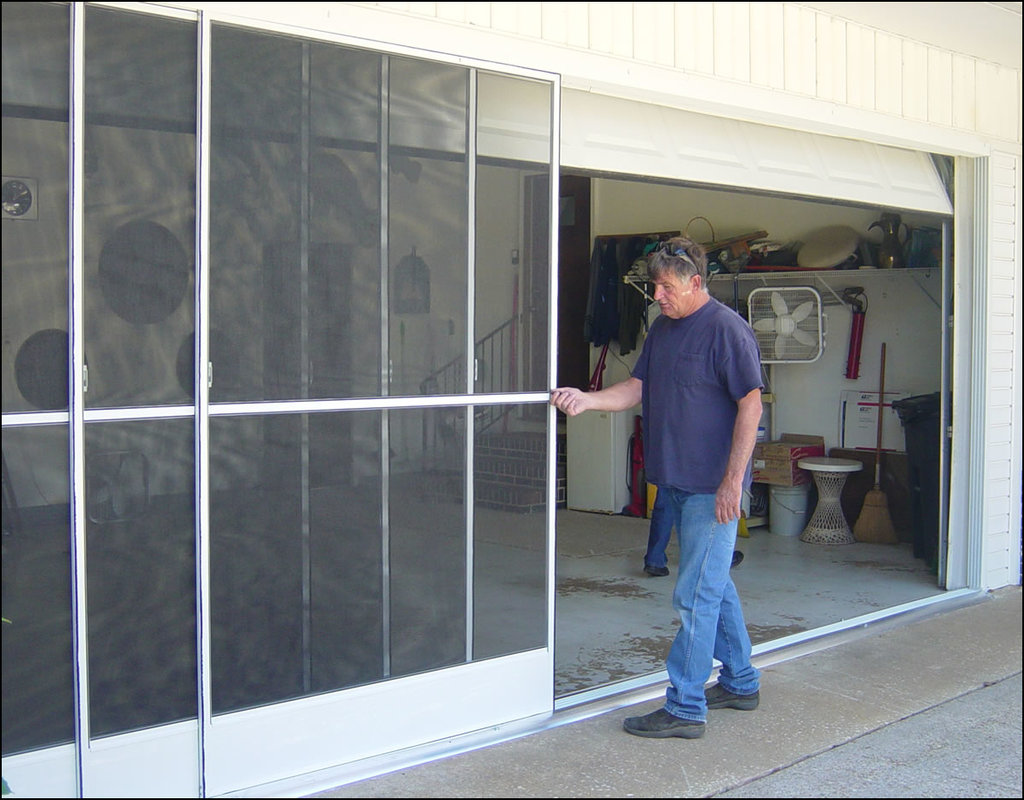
x=673 y=250
x=677 y=251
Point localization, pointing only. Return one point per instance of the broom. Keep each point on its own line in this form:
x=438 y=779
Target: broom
x=874 y=523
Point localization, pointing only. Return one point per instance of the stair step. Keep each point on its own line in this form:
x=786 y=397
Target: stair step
x=511 y=473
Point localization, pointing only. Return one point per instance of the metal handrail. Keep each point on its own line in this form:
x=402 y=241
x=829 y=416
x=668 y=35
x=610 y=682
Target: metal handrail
x=494 y=357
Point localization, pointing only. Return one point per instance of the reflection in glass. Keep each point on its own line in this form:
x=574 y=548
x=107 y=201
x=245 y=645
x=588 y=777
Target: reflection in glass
x=140 y=581
x=427 y=540
x=278 y=504
x=427 y=104
x=38 y=700
x=334 y=562
x=35 y=243
x=512 y=250
x=38 y=705
x=509 y=539
x=140 y=202
x=295 y=177
x=511 y=300
x=427 y=227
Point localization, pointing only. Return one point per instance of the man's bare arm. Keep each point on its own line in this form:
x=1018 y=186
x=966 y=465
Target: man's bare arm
x=618 y=397
x=744 y=436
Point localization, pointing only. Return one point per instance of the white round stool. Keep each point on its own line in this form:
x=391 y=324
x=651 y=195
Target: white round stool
x=828 y=524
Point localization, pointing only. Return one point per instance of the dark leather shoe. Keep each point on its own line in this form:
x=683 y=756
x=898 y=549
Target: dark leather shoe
x=655 y=572
x=720 y=697
x=662 y=725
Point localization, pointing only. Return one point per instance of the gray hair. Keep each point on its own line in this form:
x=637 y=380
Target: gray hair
x=680 y=257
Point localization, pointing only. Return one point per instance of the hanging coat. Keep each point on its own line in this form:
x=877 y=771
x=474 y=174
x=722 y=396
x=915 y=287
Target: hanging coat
x=602 y=320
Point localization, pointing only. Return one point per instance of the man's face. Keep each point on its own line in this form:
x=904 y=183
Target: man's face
x=677 y=297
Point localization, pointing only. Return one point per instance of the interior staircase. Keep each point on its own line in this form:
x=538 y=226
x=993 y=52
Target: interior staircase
x=510 y=466
x=511 y=472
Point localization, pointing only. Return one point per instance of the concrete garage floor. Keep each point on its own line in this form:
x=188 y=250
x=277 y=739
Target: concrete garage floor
x=613 y=622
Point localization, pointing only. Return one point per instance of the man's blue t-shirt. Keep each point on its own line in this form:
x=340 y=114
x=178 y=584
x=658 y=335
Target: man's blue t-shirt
x=694 y=370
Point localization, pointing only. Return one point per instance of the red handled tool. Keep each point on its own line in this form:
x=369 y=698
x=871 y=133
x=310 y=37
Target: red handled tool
x=854 y=295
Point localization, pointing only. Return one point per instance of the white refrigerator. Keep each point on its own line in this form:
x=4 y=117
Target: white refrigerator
x=597 y=460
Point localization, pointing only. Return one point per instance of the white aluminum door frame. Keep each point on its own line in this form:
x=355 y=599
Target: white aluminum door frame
x=232 y=752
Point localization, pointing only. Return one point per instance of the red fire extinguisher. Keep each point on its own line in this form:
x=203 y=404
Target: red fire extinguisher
x=636 y=480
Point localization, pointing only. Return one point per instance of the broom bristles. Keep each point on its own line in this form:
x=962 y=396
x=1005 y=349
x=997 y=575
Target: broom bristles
x=875 y=523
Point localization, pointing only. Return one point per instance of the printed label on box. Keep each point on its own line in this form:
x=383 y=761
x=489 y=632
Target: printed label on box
x=858 y=418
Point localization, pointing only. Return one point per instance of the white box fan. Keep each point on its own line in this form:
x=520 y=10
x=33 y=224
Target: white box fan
x=787 y=322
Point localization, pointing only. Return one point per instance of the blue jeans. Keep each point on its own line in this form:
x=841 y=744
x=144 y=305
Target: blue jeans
x=712 y=625
x=660 y=533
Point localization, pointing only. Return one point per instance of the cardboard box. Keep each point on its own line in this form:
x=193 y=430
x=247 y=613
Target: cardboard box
x=775 y=462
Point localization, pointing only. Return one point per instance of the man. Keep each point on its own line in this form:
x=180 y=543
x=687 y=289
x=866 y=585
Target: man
x=699 y=381
x=655 y=561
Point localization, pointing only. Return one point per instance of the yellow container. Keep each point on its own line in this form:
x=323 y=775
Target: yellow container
x=652 y=492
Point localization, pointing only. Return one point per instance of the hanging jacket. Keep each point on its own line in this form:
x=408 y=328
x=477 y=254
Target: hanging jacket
x=602 y=318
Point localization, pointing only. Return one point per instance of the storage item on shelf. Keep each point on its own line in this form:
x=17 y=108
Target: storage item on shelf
x=831 y=247
x=775 y=462
x=787 y=322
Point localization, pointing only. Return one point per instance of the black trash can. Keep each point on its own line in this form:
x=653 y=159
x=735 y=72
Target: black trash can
x=920 y=417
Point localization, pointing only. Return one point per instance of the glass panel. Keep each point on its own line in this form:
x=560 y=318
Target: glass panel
x=255 y=329
x=427 y=539
x=514 y=119
x=346 y=573
x=295 y=230
x=38 y=704
x=510 y=478
x=140 y=556
x=509 y=540
x=427 y=106
x=35 y=207
x=296 y=556
x=512 y=251
x=38 y=700
x=427 y=230
x=511 y=256
x=345 y=293
x=140 y=79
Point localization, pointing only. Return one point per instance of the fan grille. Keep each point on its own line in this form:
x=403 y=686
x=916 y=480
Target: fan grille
x=787 y=323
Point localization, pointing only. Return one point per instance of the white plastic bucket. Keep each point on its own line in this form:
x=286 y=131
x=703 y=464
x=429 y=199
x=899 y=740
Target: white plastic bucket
x=787 y=509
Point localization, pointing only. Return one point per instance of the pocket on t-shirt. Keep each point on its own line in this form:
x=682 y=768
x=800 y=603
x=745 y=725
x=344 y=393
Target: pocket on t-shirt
x=690 y=369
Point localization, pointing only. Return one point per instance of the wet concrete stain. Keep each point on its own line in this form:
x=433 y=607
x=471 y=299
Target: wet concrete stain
x=609 y=588
x=767 y=633
x=635 y=655
x=653 y=647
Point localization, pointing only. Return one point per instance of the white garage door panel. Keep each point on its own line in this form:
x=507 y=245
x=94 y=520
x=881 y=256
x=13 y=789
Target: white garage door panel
x=612 y=135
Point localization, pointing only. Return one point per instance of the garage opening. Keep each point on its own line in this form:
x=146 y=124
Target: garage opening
x=831 y=240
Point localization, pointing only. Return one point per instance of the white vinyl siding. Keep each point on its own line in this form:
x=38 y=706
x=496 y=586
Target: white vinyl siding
x=788 y=47
x=1002 y=489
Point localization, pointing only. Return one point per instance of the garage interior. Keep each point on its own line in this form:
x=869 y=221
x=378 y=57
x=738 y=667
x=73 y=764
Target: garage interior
x=613 y=622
